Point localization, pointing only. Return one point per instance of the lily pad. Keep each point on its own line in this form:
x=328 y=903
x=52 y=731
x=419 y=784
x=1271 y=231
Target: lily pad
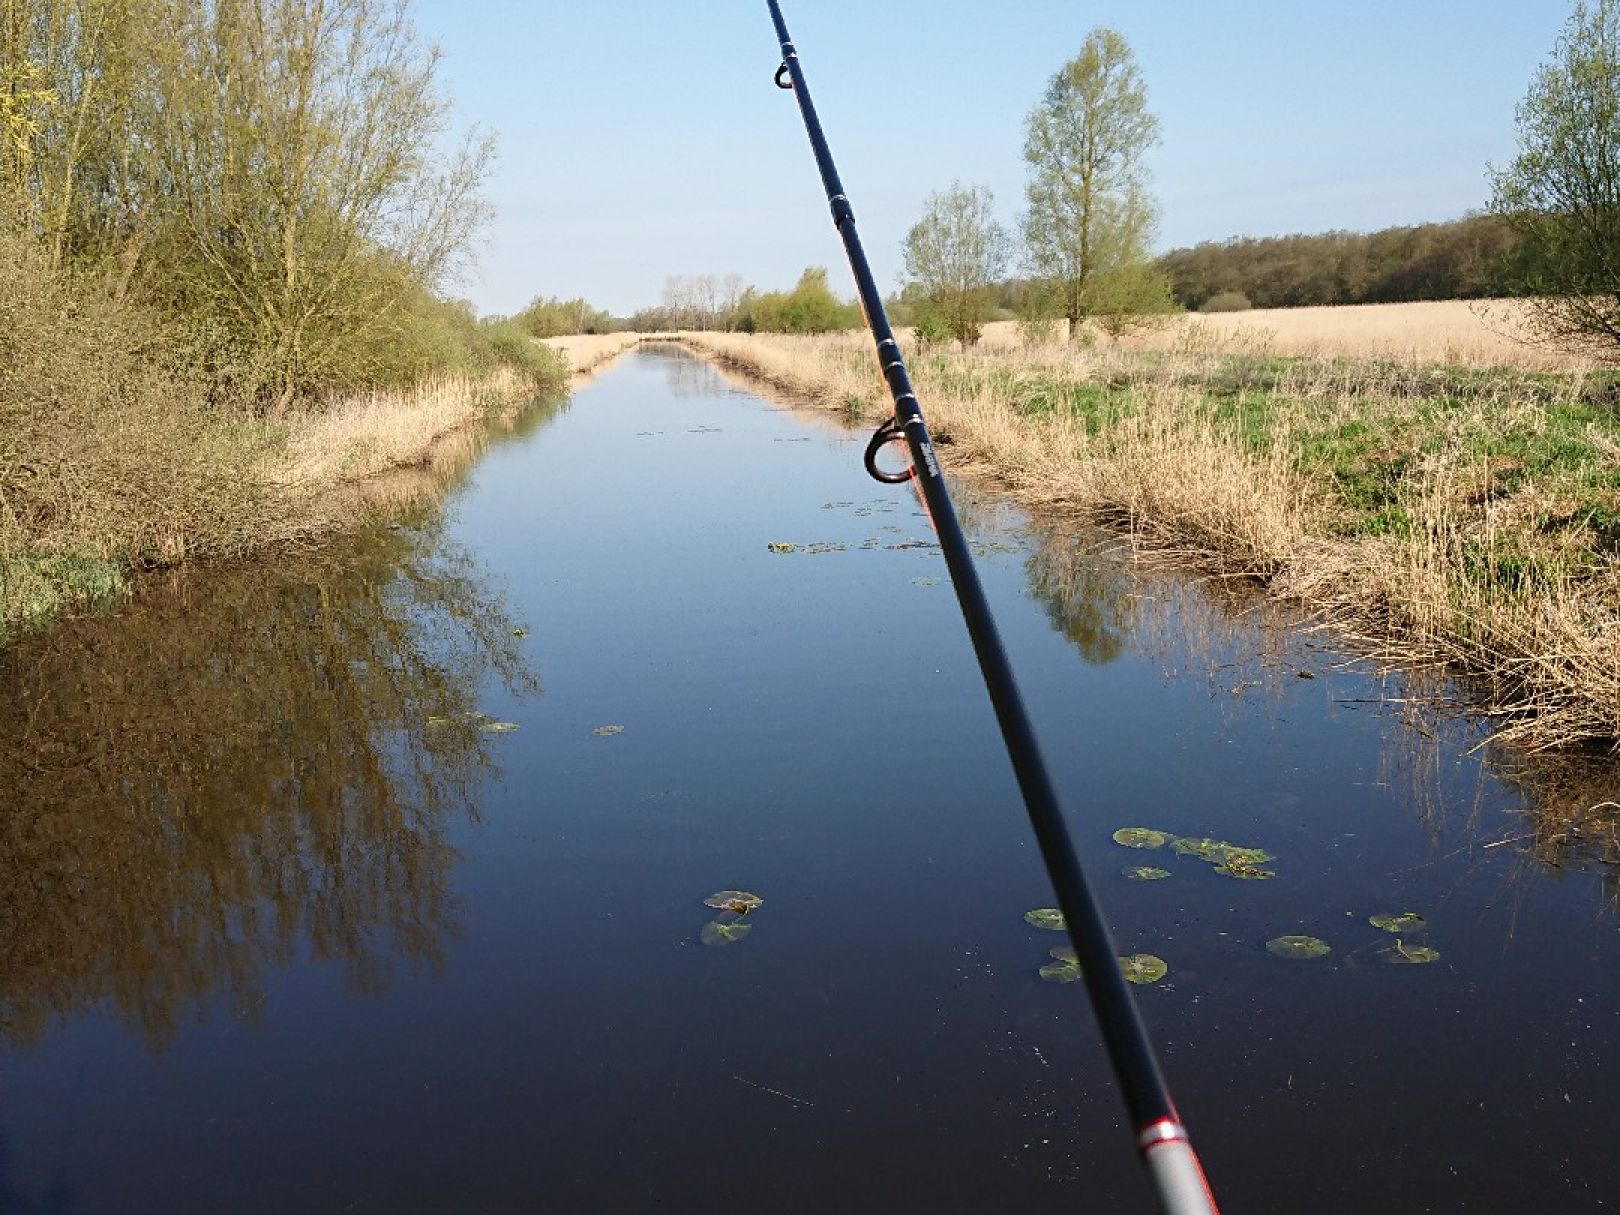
x=1143 y=968
x=607 y=731
x=1299 y=948
x=491 y=726
x=716 y=932
x=1145 y=873
x=1244 y=870
x=1060 y=972
x=782 y=546
x=1403 y=954
x=520 y=632
x=1141 y=837
x=1406 y=921
x=740 y=901
x=1049 y=918
x=1220 y=852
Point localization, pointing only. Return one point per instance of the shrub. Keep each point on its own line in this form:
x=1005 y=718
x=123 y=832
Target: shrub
x=1226 y=301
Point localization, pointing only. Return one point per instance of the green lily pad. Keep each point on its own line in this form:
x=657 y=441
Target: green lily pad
x=1298 y=948
x=1143 y=968
x=1220 y=852
x=607 y=731
x=1403 y=954
x=520 y=632
x=715 y=932
x=1060 y=972
x=1407 y=921
x=1141 y=837
x=1049 y=918
x=1244 y=870
x=782 y=546
x=1145 y=873
x=740 y=901
x=491 y=726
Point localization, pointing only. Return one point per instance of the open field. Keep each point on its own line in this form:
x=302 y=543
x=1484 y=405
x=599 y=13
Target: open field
x=1458 y=333
x=1460 y=516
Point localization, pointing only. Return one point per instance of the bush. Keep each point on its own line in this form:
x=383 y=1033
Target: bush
x=1226 y=301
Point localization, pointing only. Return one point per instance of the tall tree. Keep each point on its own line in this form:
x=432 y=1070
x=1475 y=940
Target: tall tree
x=1090 y=217
x=1562 y=192
x=957 y=252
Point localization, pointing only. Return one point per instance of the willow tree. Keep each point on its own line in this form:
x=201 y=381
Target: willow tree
x=309 y=200
x=1561 y=194
x=956 y=253
x=1090 y=217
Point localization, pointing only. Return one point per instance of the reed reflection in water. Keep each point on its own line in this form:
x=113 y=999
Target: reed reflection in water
x=1108 y=603
x=241 y=772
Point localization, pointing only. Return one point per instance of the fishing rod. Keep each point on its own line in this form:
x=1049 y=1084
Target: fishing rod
x=1161 y=1139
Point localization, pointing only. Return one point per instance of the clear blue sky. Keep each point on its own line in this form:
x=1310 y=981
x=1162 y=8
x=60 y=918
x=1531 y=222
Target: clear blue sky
x=640 y=139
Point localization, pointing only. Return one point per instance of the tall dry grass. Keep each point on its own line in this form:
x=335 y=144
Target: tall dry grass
x=586 y=352
x=117 y=451
x=1217 y=457
x=1461 y=333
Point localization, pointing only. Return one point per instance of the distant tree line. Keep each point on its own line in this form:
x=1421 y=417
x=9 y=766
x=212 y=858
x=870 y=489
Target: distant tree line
x=709 y=301
x=1469 y=258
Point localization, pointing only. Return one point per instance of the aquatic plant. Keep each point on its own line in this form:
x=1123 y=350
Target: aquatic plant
x=740 y=901
x=1049 y=918
x=1145 y=873
x=1141 y=837
x=1402 y=954
x=718 y=932
x=1404 y=922
x=1298 y=948
x=1143 y=968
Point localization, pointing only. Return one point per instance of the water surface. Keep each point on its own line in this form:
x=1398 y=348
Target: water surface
x=286 y=926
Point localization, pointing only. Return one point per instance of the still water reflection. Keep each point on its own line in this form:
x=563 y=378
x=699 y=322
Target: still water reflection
x=285 y=927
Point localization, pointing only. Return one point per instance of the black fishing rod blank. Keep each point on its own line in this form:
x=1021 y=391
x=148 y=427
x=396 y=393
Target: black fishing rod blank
x=1162 y=1141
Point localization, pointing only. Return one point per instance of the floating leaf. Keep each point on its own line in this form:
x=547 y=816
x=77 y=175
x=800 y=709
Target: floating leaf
x=1145 y=873
x=1049 y=918
x=1407 y=921
x=717 y=932
x=520 y=632
x=1143 y=968
x=1241 y=869
x=782 y=546
x=1403 y=954
x=1219 y=852
x=1298 y=947
x=1141 y=837
x=491 y=726
x=740 y=901
x=1060 y=972
x=607 y=731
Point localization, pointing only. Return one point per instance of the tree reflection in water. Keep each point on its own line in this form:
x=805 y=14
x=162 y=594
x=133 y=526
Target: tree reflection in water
x=239 y=770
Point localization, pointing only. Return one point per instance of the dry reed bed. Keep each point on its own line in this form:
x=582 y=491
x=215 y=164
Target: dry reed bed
x=1163 y=456
x=588 y=351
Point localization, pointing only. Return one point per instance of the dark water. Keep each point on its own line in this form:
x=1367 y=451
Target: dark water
x=282 y=929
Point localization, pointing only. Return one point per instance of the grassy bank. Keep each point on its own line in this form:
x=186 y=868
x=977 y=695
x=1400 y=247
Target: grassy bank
x=119 y=450
x=1466 y=517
